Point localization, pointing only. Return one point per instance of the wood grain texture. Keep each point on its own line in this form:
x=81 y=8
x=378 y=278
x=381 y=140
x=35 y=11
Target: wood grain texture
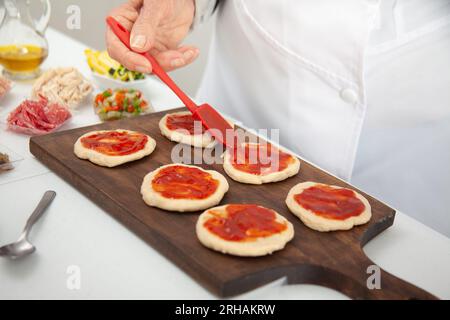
x=333 y=259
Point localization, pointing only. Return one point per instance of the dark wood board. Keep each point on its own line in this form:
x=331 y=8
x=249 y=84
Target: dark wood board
x=335 y=259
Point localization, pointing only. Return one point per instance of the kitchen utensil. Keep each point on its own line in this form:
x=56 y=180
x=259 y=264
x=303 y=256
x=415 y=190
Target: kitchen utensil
x=210 y=118
x=23 y=247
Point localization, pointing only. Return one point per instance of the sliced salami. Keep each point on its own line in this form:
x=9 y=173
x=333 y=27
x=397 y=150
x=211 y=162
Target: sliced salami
x=35 y=117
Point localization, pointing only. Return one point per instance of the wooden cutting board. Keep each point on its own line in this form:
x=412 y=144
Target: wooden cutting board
x=335 y=259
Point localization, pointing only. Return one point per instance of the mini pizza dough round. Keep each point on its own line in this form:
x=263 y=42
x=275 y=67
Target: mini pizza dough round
x=107 y=160
x=249 y=178
x=320 y=223
x=155 y=199
x=197 y=140
x=259 y=247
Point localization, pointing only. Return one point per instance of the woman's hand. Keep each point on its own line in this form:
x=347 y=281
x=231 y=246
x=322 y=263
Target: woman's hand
x=157 y=26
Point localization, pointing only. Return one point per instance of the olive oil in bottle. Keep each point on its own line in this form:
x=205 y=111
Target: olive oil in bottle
x=21 y=58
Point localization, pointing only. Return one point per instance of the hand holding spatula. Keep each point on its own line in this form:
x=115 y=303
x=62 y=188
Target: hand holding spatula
x=210 y=118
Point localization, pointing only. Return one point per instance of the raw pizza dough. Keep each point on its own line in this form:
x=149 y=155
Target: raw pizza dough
x=108 y=160
x=259 y=247
x=198 y=140
x=155 y=199
x=319 y=223
x=246 y=177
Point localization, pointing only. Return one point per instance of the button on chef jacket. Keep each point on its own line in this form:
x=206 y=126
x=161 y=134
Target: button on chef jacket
x=361 y=88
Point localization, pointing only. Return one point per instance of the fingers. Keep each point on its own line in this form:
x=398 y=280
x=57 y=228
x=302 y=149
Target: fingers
x=174 y=59
x=142 y=18
x=119 y=52
x=126 y=15
x=143 y=31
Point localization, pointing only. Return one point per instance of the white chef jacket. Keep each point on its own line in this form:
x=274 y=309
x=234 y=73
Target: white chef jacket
x=331 y=73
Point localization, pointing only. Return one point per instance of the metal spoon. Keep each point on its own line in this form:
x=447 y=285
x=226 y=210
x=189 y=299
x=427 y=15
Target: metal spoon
x=23 y=247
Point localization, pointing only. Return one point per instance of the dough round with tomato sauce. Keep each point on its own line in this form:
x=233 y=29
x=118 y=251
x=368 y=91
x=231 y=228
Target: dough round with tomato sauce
x=179 y=127
x=183 y=188
x=110 y=148
x=245 y=164
x=325 y=207
x=246 y=230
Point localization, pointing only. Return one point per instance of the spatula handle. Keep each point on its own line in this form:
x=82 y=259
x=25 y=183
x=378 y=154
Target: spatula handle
x=124 y=35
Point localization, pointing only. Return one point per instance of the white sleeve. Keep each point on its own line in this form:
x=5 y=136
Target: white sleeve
x=203 y=10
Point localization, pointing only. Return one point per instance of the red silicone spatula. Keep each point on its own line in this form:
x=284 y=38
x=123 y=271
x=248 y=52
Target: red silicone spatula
x=209 y=117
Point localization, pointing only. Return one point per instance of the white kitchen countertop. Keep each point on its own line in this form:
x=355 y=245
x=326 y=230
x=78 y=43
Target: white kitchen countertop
x=114 y=263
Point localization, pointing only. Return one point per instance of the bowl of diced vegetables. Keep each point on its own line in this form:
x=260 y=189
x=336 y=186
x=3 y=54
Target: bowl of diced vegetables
x=108 y=73
x=113 y=104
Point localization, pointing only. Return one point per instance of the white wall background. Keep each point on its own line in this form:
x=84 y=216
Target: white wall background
x=93 y=13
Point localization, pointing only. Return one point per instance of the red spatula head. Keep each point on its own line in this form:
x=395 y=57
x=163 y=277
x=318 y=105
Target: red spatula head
x=220 y=129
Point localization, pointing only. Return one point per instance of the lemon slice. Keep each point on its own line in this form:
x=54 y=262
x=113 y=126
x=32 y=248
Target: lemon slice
x=105 y=60
x=94 y=62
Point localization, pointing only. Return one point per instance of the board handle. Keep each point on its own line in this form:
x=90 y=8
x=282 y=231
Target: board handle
x=355 y=285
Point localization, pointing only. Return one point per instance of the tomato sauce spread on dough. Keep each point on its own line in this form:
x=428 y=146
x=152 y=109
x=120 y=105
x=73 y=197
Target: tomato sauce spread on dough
x=260 y=159
x=244 y=222
x=330 y=203
x=180 y=182
x=115 y=143
x=185 y=122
